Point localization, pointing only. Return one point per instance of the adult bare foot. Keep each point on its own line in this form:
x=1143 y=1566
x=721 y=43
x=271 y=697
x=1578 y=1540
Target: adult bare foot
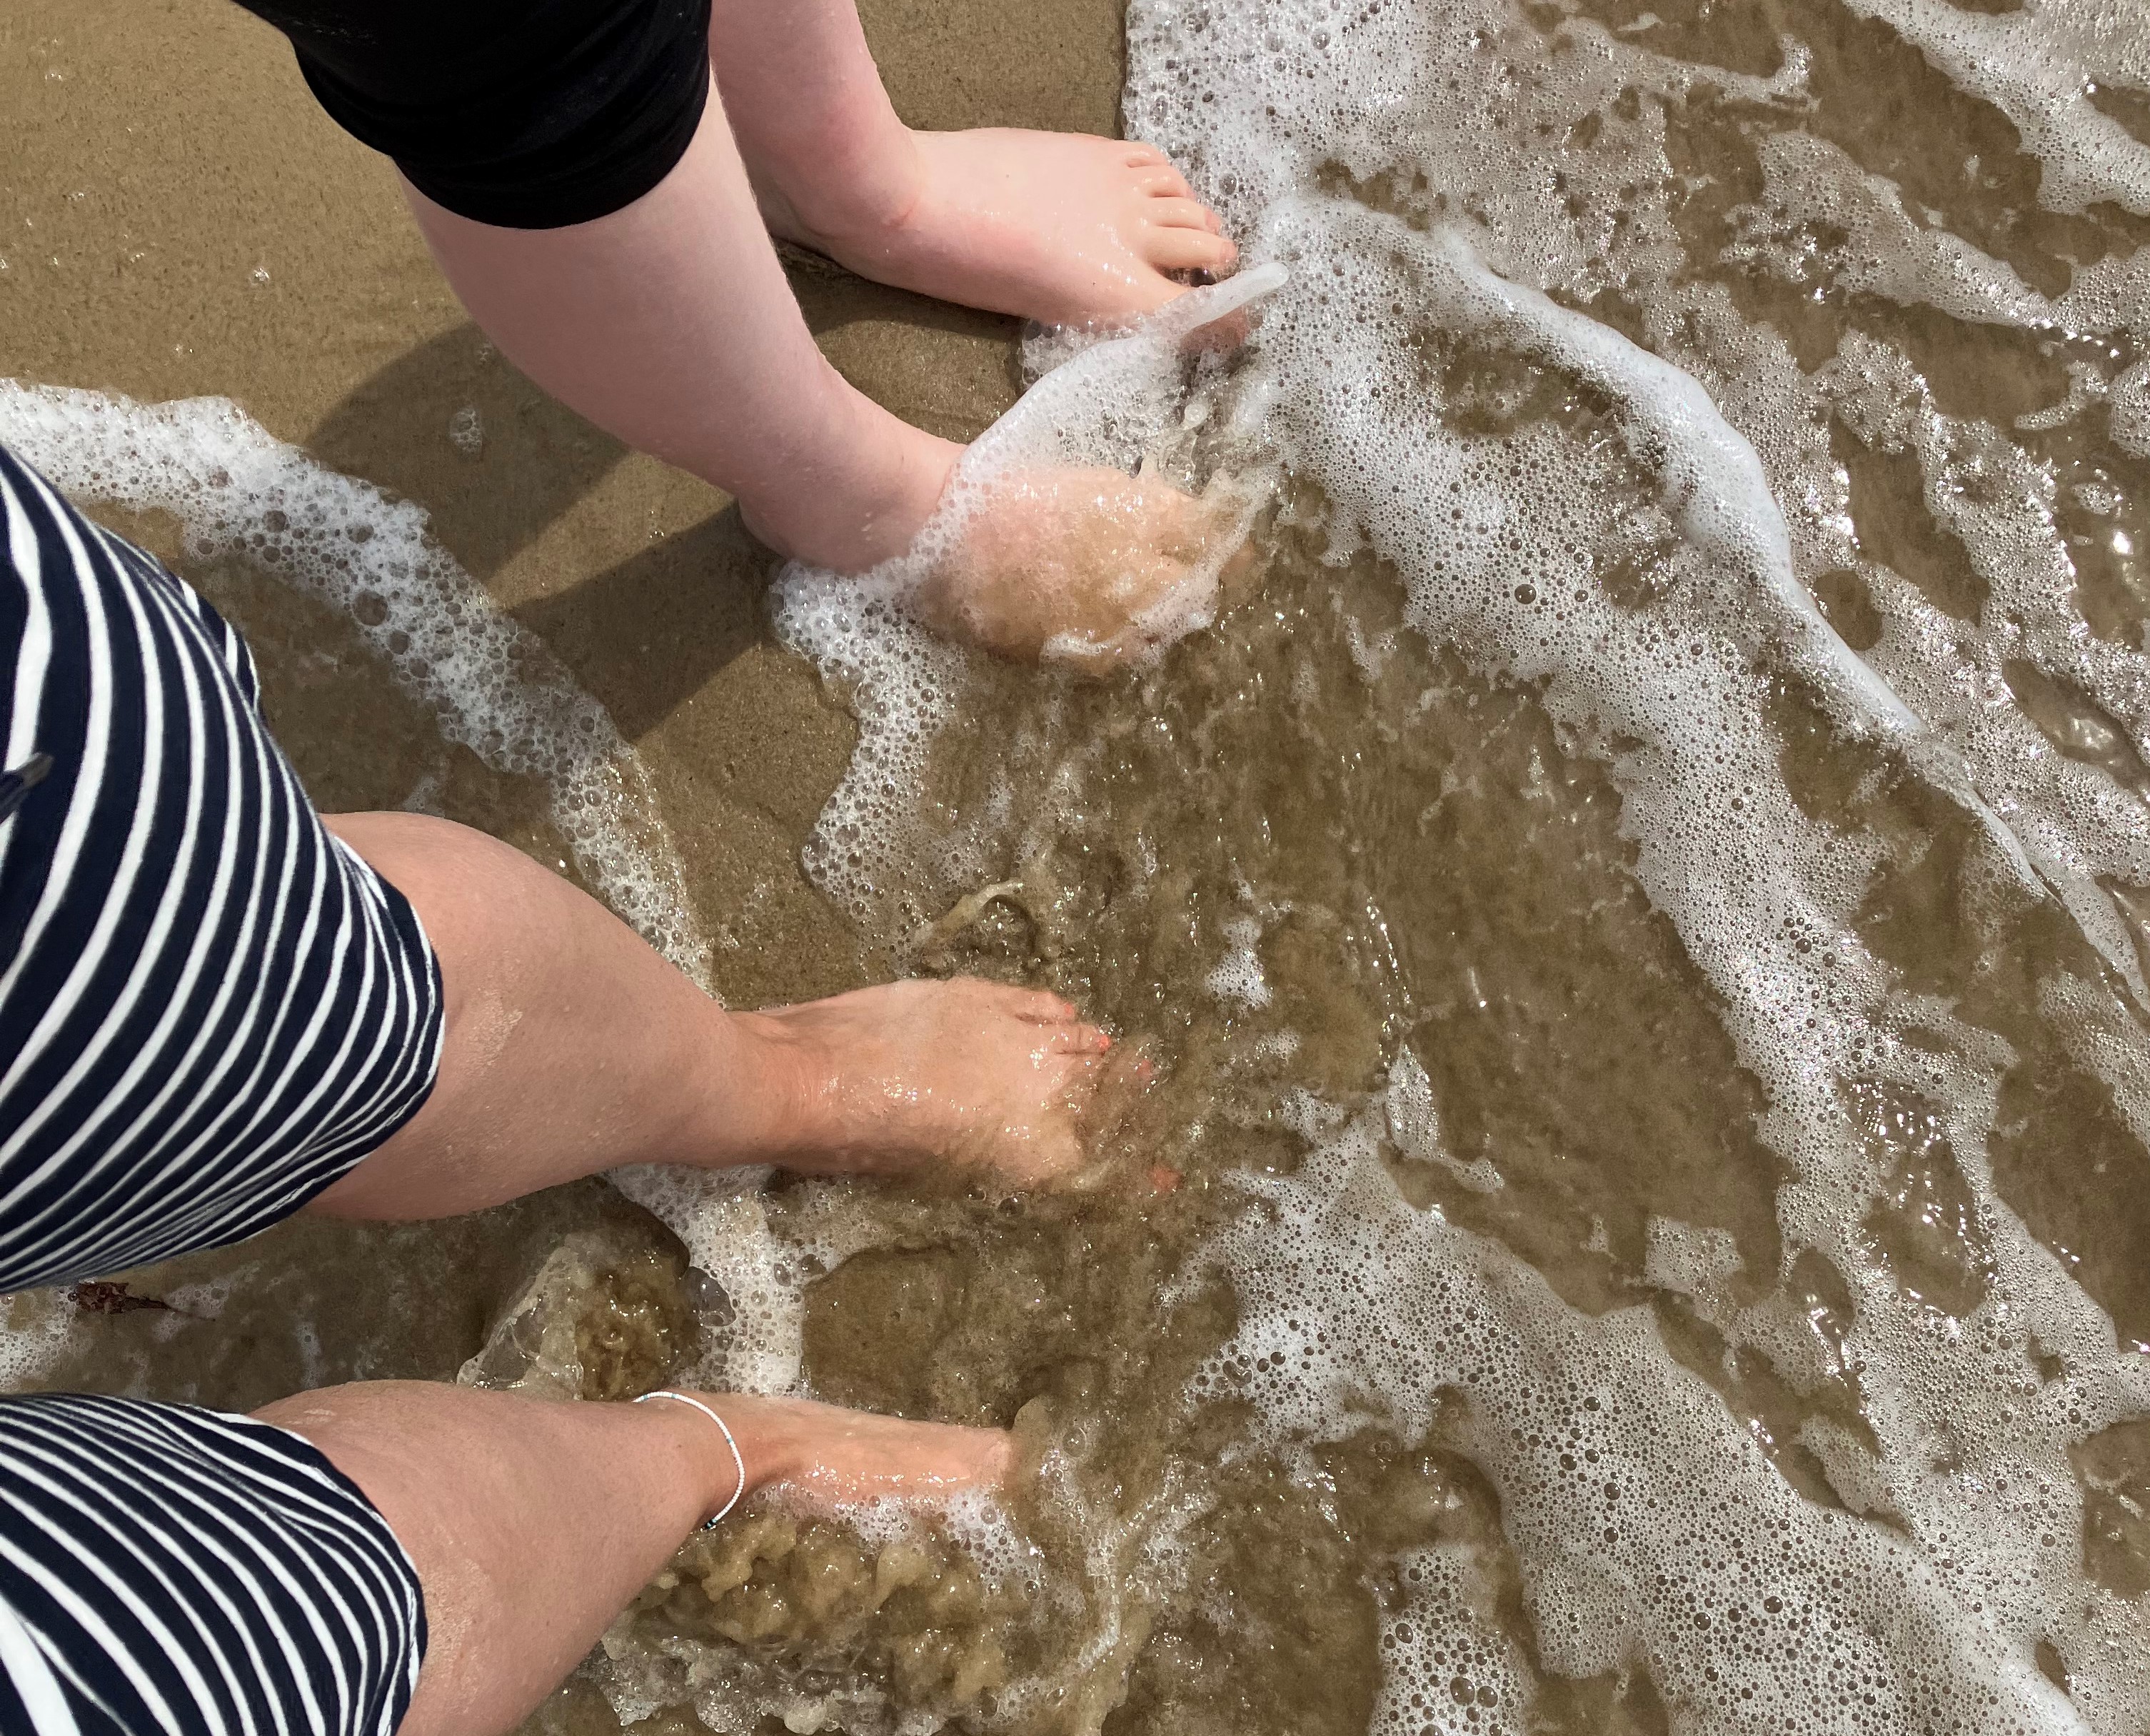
x=965 y=1073
x=1084 y=566
x=821 y=1455
x=1060 y=227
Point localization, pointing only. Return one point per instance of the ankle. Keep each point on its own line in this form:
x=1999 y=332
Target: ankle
x=888 y=478
x=842 y=171
x=772 y=1092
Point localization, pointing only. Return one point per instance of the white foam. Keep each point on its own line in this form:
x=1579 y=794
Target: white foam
x=1122 y=403
x=2037 y=65
x=1238 y=981
x=1755 y=1609
x=1496 y=539
x=722 y=1222
x=238 y=490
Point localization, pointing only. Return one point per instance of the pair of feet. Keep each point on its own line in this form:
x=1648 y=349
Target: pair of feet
x=1081 y=565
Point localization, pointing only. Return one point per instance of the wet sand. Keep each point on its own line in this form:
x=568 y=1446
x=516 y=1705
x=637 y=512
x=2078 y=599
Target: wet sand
x=179 y=219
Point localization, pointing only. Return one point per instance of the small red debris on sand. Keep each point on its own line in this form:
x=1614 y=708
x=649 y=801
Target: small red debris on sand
x=100 y=1297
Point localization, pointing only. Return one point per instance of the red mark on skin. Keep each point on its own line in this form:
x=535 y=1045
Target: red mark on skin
x=1163 y=1178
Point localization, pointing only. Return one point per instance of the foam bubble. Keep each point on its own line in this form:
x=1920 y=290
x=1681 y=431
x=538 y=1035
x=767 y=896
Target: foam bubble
x=496 y=689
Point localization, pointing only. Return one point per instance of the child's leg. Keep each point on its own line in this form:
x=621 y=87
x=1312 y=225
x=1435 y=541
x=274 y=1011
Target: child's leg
x=669 y=323
x=1053 y=226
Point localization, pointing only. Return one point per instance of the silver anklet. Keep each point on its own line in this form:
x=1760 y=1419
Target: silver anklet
x=709 y=1523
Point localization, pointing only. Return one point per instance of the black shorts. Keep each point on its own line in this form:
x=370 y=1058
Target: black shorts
x=523 y=114
x=209 y=1010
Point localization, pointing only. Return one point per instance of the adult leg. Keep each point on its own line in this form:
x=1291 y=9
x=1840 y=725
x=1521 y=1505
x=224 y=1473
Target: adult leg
x=1053 y=226
x=532 y=1524
x=572 y=1047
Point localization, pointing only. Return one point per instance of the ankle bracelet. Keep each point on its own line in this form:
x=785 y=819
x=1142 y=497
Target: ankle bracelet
x=738 y=1460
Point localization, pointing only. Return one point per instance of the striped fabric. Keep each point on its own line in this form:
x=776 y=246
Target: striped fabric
x=209 y=1010
x=163 y=1568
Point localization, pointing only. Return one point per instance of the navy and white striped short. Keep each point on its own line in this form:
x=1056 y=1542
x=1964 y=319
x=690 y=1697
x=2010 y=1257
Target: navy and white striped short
x=210 y=1009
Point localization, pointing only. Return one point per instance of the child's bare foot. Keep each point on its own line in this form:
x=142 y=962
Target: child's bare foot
x=1082 y=566
x=963 y=1071
x=1059 y=227
x=823 y=1455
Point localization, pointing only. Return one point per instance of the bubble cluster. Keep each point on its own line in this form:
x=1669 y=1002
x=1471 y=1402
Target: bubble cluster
x=1650 y=1525
x=1510 y=357
x=723 y=1223
x=1133 y=404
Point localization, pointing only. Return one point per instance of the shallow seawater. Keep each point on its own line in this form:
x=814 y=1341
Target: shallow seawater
x=1637 y=902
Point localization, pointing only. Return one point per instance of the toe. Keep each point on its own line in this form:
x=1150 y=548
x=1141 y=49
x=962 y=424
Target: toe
x=1077 y=1039
x=1161 y=180
x=1187 y=250
x=1183 y=214
x=1037 y=1006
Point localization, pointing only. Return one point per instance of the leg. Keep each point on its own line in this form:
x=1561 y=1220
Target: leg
x=1057 y=227
x=572 y=1047
x=532 y=1524
x=669 y=323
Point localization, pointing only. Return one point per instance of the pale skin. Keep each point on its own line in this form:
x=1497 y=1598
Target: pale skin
x=570 y=1046
x=670 y=322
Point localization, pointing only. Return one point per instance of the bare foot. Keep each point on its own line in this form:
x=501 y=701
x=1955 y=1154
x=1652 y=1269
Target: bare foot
x=823 y=1455
x=963 y=1071
x=1087 y=566
x=1060 y=227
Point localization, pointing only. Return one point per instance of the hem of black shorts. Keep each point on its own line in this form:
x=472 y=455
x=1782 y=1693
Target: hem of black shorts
x=565 y=200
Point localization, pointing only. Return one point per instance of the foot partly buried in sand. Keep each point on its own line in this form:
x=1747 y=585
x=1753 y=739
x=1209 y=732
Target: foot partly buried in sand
x=970 y=1074
x=1059 y=227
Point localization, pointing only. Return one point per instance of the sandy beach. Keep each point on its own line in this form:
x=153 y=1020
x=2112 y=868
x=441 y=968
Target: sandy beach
x=180 y=220
x=1637 y=903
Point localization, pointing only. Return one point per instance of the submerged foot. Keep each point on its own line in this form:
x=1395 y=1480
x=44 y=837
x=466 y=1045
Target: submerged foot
x=1059 y=227
x=821 y=1454
x=964 y=1072
x=1085 y=567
